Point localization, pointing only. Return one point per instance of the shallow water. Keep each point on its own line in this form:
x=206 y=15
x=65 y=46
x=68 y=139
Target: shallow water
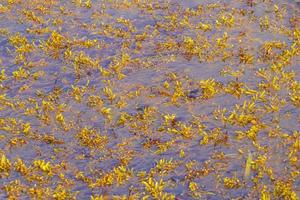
x=153 y=59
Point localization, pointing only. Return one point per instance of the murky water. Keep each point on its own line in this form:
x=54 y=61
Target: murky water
x=149 y=99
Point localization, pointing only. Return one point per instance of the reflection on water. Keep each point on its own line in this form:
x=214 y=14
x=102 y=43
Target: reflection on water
x=149 y=99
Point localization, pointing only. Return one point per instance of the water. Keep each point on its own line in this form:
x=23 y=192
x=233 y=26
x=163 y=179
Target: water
x=145 y=62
